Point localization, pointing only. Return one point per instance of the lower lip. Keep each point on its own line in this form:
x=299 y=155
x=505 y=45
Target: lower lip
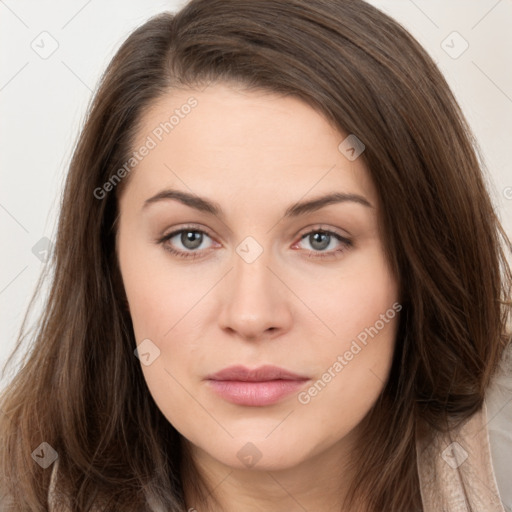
x=255 y=393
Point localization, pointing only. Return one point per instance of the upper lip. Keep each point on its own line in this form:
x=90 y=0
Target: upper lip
x=260 y=374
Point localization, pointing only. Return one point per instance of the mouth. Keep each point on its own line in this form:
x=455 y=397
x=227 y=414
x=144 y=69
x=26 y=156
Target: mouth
x=257 y=387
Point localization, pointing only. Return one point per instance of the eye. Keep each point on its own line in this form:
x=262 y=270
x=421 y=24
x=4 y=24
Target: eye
x=321 y=239
x=190 y=238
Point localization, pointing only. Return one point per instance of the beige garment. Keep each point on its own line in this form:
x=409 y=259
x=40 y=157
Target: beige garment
x=470 y=469
x=455 y=470
x=499 y=407
x=53 y=506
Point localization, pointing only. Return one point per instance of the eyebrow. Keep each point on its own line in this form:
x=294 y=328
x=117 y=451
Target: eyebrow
x=300 y=208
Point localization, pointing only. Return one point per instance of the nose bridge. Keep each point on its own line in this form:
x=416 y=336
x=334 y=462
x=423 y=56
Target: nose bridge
x=253 y=303
x=251 y=270
x=252 y=279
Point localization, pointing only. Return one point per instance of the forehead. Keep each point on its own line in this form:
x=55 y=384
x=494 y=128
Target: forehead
x=228 y=141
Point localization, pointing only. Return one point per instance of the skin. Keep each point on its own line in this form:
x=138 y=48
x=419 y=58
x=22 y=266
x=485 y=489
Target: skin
x=255 y=154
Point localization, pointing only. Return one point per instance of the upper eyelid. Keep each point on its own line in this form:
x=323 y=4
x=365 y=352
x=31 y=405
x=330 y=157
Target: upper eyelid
x=175 y=232
x=304 y=231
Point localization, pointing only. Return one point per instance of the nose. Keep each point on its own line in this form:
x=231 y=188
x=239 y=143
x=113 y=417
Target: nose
x=255 y=300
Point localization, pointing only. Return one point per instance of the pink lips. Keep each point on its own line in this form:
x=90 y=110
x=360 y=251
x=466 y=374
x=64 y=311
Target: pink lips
x=258 y=387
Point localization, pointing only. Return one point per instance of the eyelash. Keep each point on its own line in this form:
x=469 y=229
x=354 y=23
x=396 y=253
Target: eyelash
x=346 y=243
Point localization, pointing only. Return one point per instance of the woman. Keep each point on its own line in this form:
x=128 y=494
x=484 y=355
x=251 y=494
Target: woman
x=203 y=347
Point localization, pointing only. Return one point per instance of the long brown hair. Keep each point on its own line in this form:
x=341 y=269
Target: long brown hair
x=80 y=388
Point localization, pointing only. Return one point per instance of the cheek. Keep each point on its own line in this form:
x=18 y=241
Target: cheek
x=353 y=300
x=352 y=365
x=161 y=301
x=160 y=294
x=352 y=374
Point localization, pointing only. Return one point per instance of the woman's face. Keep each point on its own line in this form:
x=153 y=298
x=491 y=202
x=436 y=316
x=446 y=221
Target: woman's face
x=257 y=279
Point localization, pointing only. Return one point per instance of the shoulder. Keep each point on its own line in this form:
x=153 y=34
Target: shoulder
x=52 y=497
x=498 y=402
x=471 y=464
x=7 y=501
x=59 y=503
